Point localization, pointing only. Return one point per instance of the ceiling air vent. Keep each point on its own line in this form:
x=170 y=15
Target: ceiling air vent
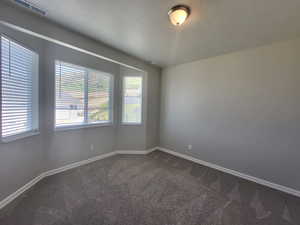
x=30 y=6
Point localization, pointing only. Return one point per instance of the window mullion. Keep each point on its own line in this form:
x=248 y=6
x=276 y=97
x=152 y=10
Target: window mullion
x=86 y=96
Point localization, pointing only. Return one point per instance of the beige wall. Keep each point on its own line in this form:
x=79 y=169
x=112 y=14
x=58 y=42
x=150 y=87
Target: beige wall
x=240 y=111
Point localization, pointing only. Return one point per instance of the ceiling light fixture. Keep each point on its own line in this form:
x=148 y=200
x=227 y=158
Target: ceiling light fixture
x=178 y=14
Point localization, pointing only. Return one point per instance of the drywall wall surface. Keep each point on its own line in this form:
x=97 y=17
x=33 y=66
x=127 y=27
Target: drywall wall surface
x=15 y=15
x=40 y=25
x=153 y=108
x=240 y=111
x=24 y=159
x=145 y=135
x=65 y=147
x=129 y=136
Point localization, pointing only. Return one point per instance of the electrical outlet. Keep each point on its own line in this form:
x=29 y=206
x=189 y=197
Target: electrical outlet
x=92 y=147
x=190 y=147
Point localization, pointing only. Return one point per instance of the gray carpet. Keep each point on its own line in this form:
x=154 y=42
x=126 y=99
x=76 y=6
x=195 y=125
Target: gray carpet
x=157 y=189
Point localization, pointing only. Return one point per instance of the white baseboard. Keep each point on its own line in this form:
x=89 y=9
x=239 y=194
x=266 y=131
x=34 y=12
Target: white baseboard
x=135 y=152
x=31 y=183
x=234 y=173
x=77 y=164
x=20 y=191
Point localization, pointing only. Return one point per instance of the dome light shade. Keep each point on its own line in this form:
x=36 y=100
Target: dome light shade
x=178 y=14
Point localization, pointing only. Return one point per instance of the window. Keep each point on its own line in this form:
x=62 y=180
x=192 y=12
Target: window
x=19 y=90
x=132 y=100
x=83 y=96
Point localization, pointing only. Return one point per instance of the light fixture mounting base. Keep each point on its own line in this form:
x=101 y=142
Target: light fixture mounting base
x=181 y=6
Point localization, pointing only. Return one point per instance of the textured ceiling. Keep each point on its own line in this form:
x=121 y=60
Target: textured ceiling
x=141 y=27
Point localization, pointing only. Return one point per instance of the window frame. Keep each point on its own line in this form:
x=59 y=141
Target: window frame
x=85 y=124
x=35 y=95
x=123 y=102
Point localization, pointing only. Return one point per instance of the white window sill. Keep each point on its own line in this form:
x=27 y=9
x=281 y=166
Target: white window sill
x=131 y=124
x=19 y=136
x=82 y=126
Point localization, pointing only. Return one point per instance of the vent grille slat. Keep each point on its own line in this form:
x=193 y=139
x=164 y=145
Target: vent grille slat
x=30 y=6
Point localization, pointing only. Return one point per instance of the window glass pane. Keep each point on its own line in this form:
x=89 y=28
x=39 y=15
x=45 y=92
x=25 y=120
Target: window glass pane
x=69 y=94
x=132 y=100
x=83 y=96
x=98 y=97
x=18 y=75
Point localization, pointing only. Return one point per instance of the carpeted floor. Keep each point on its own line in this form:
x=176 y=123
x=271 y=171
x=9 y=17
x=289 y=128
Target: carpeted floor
x=157 y=189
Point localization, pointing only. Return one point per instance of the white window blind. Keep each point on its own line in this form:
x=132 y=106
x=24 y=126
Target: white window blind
x=69 y=94
x=132 y=100
x=19 y=95
x=83 y=96
x=99 y=91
